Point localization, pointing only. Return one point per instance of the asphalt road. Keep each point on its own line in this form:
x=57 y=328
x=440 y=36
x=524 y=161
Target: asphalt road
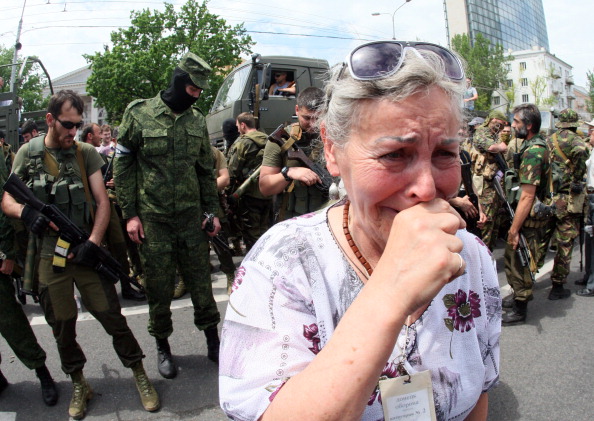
x=547 y=372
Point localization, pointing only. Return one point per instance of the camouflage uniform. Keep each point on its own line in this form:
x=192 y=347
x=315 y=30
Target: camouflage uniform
x=163 y=170
x=254 y=207
x=14 y=326
x=298 y=199
x=484 y=170
x=534 y=170
x=569 y=204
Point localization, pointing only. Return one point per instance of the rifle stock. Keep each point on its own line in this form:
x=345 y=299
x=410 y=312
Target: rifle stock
x=105 y=263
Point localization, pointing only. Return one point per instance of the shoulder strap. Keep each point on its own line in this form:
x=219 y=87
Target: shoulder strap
x=83 y=175
x=566 y=161
x=37 y=150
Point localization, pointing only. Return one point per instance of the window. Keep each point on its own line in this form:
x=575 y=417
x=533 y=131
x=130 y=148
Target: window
x=525 y=98
x=524 y=81
x=509 y=83
x=496 y=100
x=522 y=65
x=507 y=67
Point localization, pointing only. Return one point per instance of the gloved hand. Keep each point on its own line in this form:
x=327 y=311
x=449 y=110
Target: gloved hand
x=588 y=230
x=576 y=188
x=86 y=253
x=34 y=221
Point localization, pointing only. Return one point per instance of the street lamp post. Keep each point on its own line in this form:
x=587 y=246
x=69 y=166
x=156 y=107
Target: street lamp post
x=393 y=14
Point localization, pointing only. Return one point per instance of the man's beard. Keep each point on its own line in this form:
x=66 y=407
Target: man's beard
x=521 y=133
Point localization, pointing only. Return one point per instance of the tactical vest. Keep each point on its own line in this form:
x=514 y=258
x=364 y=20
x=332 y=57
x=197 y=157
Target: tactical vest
x=303 y=199
x=57 y=180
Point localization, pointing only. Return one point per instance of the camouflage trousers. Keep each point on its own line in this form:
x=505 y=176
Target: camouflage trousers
x=490 y=203
x=518 y=277
x=15 y=327
x=182 y=244
x=565 y=230
x=56 y=296
x=255 y=214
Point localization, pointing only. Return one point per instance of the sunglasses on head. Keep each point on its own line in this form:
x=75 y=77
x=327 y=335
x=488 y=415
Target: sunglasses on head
x=68 y=125
x=381 y=59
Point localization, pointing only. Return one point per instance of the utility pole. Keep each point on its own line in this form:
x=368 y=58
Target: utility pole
x=17 y=47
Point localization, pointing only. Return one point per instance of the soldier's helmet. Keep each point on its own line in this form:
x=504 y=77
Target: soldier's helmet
x=567 y=118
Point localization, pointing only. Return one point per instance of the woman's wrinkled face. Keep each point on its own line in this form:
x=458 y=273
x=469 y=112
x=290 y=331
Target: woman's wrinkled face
x=398 y=155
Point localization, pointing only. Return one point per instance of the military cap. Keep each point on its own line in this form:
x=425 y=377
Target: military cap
x=567 y=118
x=498 y=115
x=197 y=68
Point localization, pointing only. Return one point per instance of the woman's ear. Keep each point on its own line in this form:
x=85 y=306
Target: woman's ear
x=330 y=150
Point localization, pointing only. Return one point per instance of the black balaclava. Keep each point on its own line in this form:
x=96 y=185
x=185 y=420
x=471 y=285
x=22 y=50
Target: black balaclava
x=230 y=132
x=175 y=96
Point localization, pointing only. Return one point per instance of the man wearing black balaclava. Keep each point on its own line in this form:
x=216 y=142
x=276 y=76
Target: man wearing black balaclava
x=163 y=170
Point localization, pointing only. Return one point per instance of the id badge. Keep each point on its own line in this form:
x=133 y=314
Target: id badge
x=408 y=398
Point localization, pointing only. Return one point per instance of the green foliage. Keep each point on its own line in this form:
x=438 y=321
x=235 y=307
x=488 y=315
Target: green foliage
x=30 y=88
x=537 y=87
x=590 y=103
x=486 y=65
x=143 y=56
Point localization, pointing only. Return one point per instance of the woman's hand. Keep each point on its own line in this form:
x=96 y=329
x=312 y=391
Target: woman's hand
x=421 y=254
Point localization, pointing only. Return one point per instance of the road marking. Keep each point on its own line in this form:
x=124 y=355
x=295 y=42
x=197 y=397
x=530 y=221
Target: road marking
x=8 y=416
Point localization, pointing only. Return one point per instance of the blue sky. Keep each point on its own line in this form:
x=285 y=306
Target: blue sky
x=60 y=31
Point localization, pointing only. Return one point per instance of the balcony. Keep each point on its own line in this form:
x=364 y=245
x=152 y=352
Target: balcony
x=554 y=74
x=569 y=80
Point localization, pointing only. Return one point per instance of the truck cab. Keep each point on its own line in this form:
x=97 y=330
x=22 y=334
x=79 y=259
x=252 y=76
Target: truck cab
x=246 y=89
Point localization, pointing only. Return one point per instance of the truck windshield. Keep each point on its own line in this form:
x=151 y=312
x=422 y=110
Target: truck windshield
x=232 y=88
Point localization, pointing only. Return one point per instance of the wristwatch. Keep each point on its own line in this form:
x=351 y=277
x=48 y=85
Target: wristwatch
x=284 y=172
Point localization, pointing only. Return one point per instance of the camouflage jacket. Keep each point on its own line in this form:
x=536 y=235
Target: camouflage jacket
x=245 y=158
x=484 y=162
x=535 y=166
x=163 y=165
x=6 y=228
x=575 y=151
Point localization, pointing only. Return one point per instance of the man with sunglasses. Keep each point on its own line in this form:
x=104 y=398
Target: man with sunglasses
x=164 y=175
x=281 y=85
x=279 y=174
x=67 y=173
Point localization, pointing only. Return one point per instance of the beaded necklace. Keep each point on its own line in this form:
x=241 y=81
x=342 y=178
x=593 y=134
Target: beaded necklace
x=349 y=237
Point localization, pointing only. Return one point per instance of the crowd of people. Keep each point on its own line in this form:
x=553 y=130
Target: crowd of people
x=382 y=283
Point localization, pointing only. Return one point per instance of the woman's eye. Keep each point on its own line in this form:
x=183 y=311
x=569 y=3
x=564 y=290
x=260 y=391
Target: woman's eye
x=393 y=155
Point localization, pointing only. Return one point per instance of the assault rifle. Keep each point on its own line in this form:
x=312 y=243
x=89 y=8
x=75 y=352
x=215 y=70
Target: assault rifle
x=469 y=190
x=218 y=242
x=523 y=251
x=280 y=136
x=253 y=178
x=18 y=280
x=103 y=262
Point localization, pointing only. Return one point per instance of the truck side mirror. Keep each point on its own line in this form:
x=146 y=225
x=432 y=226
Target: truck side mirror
x=265 y=84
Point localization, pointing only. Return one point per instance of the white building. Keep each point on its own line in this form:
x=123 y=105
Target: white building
x=539 y=77
x=77 y=81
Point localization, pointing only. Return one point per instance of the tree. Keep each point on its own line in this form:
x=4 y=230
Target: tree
x=486 y=65
x=30 y=87
x=590 y=102
x=143 y=56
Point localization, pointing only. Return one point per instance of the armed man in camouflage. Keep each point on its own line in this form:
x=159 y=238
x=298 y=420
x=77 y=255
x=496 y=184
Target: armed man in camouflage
x=486 y=145
x=245 y=159
x=280 y=174
x=14 y=326
x=533 y=175
x=163 y=170
x=568 y=159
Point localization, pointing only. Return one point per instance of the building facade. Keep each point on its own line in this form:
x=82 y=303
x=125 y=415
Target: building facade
x=515 y=24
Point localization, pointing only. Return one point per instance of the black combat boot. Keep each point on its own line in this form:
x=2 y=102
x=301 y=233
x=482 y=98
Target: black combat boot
x=517 y=315
x=49 y=391
x=3 y=382
x=165 y=362
x=129 y=293
x=212 y=343
x=508 y=302
x=558 y=292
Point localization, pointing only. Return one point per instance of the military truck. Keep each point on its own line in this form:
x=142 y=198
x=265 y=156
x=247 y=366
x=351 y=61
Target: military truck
x=246 y=89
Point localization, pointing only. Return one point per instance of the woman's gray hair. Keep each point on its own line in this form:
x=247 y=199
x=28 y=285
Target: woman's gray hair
x=346 y=95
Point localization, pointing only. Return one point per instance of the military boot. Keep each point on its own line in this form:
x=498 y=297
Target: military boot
x=237 y=251
x=81 y=393
x=165 y=362
x=508 y=302
x=558 y=292
x=3 y=382
x=212 y=343
x=129 y=293
x=517 y=315
x=180 y=290
x=49 y=391
x=148 y=394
